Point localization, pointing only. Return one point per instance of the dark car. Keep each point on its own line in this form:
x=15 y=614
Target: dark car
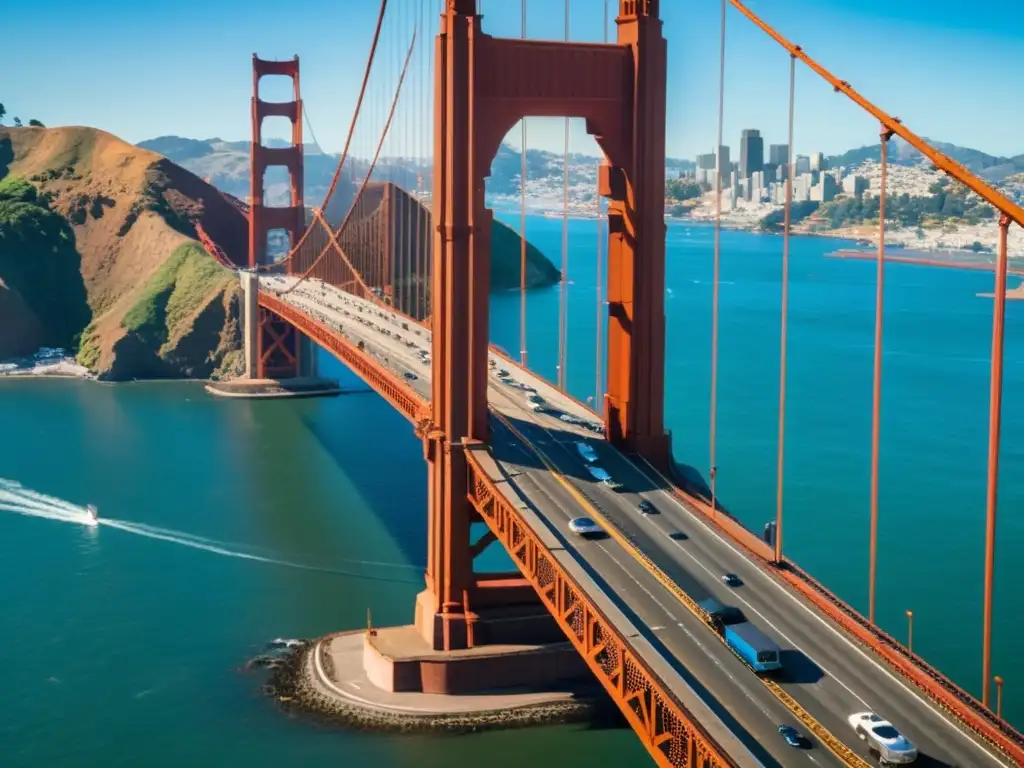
x=732 y=580
x=646 y=507
x=410 y=375
x=793 y=737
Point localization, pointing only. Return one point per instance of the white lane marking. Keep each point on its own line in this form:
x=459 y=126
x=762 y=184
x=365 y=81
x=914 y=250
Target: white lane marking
x=763 y=618
x=695 y=516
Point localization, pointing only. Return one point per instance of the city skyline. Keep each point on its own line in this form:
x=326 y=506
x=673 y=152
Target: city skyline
x=205 y=91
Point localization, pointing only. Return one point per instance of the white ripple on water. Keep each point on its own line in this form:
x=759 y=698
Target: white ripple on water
x=20 y=500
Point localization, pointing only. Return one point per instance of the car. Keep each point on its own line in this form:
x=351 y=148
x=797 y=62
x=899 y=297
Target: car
x=646 y=507
x=587 y=452
x=793 y=737
x=883 y=739
x=732 y=580
x=409 y=375
x=584 y=526
x=502 y=372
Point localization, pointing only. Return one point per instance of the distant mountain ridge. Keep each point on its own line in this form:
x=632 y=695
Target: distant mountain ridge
x=226 y=165
x=990 y=167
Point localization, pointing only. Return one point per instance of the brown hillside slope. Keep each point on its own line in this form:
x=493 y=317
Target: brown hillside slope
x=161 y=306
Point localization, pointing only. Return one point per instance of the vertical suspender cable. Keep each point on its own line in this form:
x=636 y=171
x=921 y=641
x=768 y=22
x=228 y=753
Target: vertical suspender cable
x=599 y=340
x=995 y=414
x=522 y=226
x=563 y=309
x=876 y=382
x=784 y=332
x=422 y=120
x=713 y=471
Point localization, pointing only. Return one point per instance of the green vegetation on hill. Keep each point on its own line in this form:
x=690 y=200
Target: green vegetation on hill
x=176 y=291
x=39 y=261
x=776 y=220
x=682 y=189
x=945 y=203
x=506 y=247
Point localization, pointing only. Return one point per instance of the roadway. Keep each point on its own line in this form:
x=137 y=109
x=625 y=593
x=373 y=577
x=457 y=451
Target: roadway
x=827 y=673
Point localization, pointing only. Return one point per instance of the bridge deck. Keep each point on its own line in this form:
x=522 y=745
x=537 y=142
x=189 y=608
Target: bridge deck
x=827 y=673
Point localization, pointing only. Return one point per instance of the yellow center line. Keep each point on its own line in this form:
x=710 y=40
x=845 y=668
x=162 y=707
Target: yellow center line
x=834 y=744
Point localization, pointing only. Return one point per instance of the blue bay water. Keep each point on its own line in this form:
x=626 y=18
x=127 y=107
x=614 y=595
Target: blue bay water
x=126 y=648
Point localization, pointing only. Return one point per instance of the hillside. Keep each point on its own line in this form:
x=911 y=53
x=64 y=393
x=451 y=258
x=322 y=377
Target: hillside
x=989 y=167
x=127 y=286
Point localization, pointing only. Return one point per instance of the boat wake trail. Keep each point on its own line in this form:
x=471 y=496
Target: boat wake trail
x=20 y=500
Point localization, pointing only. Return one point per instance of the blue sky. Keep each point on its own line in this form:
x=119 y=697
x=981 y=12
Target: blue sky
x=952 y=70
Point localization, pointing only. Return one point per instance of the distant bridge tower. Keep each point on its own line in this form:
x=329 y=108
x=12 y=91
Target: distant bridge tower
x=283 y=352
x=484 y=86
x=263 y=219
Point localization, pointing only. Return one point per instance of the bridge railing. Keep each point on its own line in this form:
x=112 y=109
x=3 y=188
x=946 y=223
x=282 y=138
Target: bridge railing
x=404 y=398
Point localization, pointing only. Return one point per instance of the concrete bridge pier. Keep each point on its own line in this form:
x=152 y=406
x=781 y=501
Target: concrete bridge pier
x=279 y=360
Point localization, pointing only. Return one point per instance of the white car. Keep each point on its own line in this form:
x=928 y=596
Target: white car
x=584 y=526
x=586 y=452
x=891 y=746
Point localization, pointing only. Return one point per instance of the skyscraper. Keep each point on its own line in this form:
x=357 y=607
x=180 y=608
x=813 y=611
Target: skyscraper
x=778 y=154
x=751 y=152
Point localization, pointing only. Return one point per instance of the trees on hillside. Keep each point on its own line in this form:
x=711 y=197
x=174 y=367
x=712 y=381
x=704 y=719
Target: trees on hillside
x=39 y=260
x=17 y=120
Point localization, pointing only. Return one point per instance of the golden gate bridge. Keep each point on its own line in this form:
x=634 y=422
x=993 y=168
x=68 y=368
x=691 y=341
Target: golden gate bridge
x=391 y=274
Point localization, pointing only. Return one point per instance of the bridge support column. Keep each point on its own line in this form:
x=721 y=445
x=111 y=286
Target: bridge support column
x=443 y=617
x=635 y=185
x=250 y=322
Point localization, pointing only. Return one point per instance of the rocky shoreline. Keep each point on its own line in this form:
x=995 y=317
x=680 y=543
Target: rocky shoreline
x=292 y=684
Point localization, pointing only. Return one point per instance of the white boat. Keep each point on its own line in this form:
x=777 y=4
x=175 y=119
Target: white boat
x=94 y=515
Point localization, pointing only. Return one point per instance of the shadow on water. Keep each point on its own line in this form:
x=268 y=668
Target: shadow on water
x=380 y=456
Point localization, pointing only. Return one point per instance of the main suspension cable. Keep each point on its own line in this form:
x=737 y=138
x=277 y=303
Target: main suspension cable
x=348 y=138
x=333 y=243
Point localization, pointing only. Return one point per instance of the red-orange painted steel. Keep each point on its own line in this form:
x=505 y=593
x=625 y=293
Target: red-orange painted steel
x=279 y=348
x=483 y=86
x=995 y=416
x=405 y=399
x=212 y=248
x=876 y=379
x=669 y=732
x=262 y=219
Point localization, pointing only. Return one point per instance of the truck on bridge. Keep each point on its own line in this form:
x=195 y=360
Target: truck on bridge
x=753 y=646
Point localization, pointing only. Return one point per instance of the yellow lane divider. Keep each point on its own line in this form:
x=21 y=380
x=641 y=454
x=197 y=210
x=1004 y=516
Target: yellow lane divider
x=834 y=744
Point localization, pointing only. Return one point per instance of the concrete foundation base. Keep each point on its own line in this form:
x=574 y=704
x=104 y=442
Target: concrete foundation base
x=398 y=660
x=271 y=388
x=330 y=680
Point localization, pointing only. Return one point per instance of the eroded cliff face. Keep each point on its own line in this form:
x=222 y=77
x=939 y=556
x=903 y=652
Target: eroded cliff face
x=153 y=302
